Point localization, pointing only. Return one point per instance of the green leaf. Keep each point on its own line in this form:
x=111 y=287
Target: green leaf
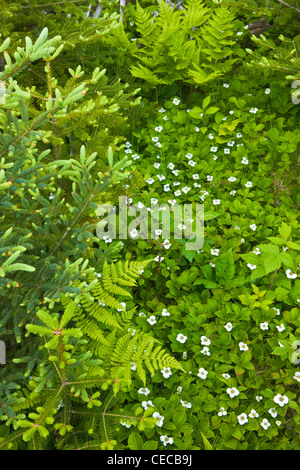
x=135 y=442
x=206 y=101
x=150 y=445
x=211 y=110
x=285 y=230
x=273 y=133
x=207 y=445
x=179 y=418
x=292 y=245
x=287 y=260
x=271 y=263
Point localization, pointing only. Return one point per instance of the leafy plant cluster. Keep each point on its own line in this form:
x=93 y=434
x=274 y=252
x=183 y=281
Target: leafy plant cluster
x=143 y=343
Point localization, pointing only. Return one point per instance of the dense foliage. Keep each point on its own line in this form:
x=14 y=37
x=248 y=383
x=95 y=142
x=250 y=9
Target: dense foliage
x=140 y=342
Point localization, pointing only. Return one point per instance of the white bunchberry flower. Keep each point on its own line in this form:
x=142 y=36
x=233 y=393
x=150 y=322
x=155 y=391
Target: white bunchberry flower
x=205 y=351
x=107 y=239
x=177 y=193
x=253 y=110
x=133 y=233
x=226 y=85
x=265 y=423
x=151 y=320
x=167 y=188
x=181 y=338
x=226 y=151
x=232 y=179
x=277 y=310
x=242 y=418
x=189 y=156
x=233 y=192
x=245 y=161
x=165 y=313
x=191 y=163
x=166 y=244
x=264 y=326
x=297 y=376
x=176 y=101
x=155 y=139
x=222 y=411
x=215 y=251
x=272 y=412
x=142 y=314
x=253 y=414
x=213 y=149
x=123 y=307
x=161 y=110
x=281 y=400
x=256 y=251
x=202 y=373
x=186 y=404
x=150 y=180
x=158 y=128
x=216 y=202
x=209 y=177
x=280 y=328
x=243 y=346
x=258 y=398
x=232 y=392
x=147 y=404
x=197 y=129
x=226 y=376
x=253 y=227
x=172 y=202
x=195 y=176
x=290 y=274
x=210 y=136
x=166 y=372
x=228 y=326
x=158 y=258
x=205 y=341
x=171 y=166
x=249 y=184
x=144 y=391
x=267 y=91
x=186 y=189
x=126 y=423
x=165 y=439
x=156 y=165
